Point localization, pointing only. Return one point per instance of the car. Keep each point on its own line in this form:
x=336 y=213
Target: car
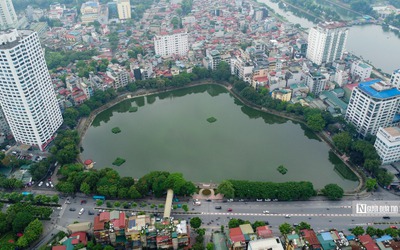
x=51 y=185
x=83 y=202
x=259 y=199
x=230 y=200
x=394 y=227
x=295 y=225
x=267 y=199
x=40 y=184
x=209 y=200
x=72 y=209
x=218 y=207
x=287 y=216
x=90 y=212
x=230 y=209
x=266 y=222
x=265 y=212
x=275 y=200
x=241 y=200
x=81 y=211
x=386 y=217
x=47 y=184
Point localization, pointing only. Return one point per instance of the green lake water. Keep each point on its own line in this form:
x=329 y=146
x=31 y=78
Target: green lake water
x=170 y=132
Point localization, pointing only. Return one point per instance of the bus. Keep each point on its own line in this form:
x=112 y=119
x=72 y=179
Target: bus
x=26 y=193
x=99 y=197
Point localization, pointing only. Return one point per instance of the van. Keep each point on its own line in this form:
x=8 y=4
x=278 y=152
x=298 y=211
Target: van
x=218 y=207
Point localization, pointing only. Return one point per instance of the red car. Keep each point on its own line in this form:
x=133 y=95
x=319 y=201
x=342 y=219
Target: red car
x=394 y=227
x=83 y=202
x=229 y=209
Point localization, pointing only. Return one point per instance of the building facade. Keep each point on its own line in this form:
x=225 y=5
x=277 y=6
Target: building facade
x=387 y=144
x=361 y=70
x=173 y=44
x=8 y=17
x=372 y=105
x=316 y=82
x=326 y=42
x=90 y=11
x=124 y=9
x=26 y=91
x=395 y=78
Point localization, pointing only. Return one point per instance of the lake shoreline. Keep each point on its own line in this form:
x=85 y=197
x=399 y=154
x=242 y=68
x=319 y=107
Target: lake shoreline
x=85 y=123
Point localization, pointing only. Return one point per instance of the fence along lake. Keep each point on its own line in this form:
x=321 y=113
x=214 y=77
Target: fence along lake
x=170 y=132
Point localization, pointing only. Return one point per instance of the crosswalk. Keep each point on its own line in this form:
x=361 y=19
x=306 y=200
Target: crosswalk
x=278 y=215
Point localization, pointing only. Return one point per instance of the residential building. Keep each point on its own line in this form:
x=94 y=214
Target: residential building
x=395 y=78
x=361 y=70
x=326 y=42
x=124 y=9
x=56 y=11
x=212 y=59
x=387 y=144
x=120 y=76
x=26 y=92
x=367 y=242
x=171 y=44
x=270 y=244
x=242 y=68
x=282 y=94
x=8 y=17
x=90 y=11
x=373 y=104
x=4 y=128
x=316 y=81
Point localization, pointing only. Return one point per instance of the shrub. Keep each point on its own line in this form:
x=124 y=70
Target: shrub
x=109 y=204
x=116 y=130
x=118 y=162
x=117 y=204
x=161 y=206
x=211 y=119
x=99 y=202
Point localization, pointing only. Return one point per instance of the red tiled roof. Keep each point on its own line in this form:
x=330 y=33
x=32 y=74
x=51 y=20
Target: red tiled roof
x=311 y=237
x=264 y=232
x=368 y=242
x=236 y=235
x=120 y=222
x=261 y=78
x=105 y=216
x=59 y=248
x=97 y=225
x=80 y=237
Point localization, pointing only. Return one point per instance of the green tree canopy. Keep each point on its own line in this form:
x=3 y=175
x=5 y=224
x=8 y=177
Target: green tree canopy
x=226 y=188
x=195 y=222
x=285 y=228
x=333 y=191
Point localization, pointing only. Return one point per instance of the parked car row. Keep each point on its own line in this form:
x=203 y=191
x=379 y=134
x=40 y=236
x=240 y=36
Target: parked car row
x=47 y=183
x=246 y=200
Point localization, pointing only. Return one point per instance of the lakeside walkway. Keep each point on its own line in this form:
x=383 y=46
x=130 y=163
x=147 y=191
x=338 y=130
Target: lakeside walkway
x=85 y=123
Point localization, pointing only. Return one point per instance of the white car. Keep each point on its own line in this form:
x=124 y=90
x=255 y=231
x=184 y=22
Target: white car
x=287 y=216
x=81 y=211
x=40 y=184
x=47 y=184
x=259 y=199
x=265 y=212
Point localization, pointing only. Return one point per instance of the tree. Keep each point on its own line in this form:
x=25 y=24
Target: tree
x=358 y=230
x=371 y=231
x=201 y=231
x=303 y=225
x=316 y=122
x=210 y=246
x=379 y=232
x=55 y=199
x=21 y=221
x=285 y=228
x=233 y=223
x=85 y=188
x=195 y=222
x=226 y=188
x=371 y=184
x=4 y=226
x=342 y=141
x=133 y=193
x=185 y=207
x=333 y=191
x=392 y=232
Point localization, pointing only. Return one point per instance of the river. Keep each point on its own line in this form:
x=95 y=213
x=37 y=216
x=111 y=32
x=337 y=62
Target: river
x=170 y=132
x=378 y=47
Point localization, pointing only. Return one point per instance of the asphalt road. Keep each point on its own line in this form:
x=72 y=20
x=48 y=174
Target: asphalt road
x=321 y=214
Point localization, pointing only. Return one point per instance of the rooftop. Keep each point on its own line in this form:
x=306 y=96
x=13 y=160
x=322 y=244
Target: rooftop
x=393 y=131
x=378 y=89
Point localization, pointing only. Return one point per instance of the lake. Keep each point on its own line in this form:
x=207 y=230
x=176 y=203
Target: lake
x=371 y=42
x=170 y=132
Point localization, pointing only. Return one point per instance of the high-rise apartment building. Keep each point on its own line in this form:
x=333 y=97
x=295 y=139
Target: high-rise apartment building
x=8 y=17
x=26 y=92
x=171 y=44
x=395 y=78
x=326 y=42
x=124 y=9
x=387 y=144
x=372 y=105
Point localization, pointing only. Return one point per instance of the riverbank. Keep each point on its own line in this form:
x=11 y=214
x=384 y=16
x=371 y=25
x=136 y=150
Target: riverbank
x=84 y=124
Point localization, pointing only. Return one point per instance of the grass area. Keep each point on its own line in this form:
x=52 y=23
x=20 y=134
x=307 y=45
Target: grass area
x=281 y=169
x=133 y=109
x=116 y=130
x=118 y=162
x=211 y=119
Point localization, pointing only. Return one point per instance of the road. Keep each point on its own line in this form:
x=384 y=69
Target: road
x=320 y=213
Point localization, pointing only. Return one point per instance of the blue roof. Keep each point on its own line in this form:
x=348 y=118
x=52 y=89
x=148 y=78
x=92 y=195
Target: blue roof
x=326 y=236
x=383 y=238
x=350 y=237
x=366 y=87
